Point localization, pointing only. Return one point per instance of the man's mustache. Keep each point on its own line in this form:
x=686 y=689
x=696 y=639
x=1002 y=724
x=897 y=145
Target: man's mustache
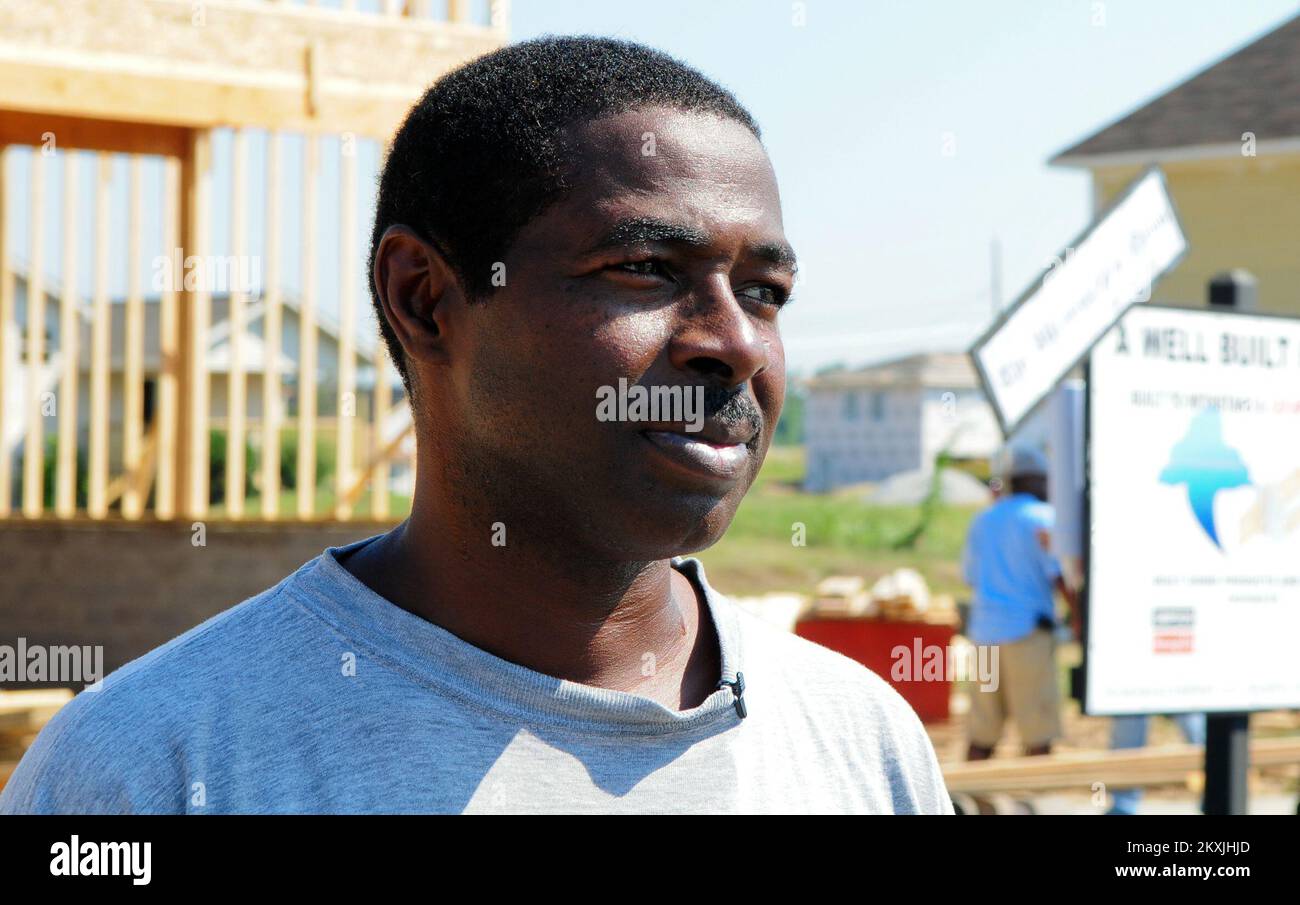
x=732 y=406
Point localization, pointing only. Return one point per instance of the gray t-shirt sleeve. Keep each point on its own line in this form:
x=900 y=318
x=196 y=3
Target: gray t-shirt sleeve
x=79 y=764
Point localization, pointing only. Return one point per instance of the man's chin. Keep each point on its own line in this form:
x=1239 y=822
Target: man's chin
x=677 y=525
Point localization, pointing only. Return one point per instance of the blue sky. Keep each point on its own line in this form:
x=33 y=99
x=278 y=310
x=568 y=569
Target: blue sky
x=856 y=104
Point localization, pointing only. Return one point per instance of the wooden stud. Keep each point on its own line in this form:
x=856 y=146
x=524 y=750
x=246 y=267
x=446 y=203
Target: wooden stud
x=97 y=496
x=383 y=405
x=272 y=402
x=65 y=481
x=196 y=314
x=34 y=365
x=166 y=411
x=133 y=350
x=235 y=388
x=306 y=494
x=6 y=325
x=347 y=376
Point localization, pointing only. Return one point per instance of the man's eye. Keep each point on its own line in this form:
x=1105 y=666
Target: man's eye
x=768 y=295
x=649 y=268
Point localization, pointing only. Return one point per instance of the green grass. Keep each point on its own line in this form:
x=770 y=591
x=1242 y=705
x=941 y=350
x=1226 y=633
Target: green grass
x=844 y=536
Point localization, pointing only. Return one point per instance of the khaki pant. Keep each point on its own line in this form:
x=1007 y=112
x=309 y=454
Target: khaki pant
x=1027 y=692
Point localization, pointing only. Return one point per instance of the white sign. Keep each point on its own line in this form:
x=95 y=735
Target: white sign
x=1052 y=326
x=1194 y=550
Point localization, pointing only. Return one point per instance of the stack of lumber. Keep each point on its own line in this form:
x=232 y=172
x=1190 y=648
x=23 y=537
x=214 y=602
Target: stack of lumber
x=904 y=596
x=22 y=715
x=900 y=596
x=842 y=597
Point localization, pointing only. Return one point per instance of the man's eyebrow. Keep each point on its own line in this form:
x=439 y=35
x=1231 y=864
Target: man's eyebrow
x=634 y=230
x=778 y=253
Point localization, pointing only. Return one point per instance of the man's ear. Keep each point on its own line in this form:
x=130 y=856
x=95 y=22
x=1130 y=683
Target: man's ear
x=417 y=288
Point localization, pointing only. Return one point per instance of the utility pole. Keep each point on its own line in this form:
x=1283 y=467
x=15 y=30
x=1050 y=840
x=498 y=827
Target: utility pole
x=995 y=276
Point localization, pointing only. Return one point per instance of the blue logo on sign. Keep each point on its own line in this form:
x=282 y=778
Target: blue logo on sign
x=1206 y=464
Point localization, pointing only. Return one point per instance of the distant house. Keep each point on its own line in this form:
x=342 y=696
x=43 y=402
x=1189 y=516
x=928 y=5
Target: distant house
x=1228 y=140
x=869 y=424
x=254 y=355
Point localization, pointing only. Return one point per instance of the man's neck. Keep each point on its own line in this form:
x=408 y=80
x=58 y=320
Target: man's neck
x=635 y=627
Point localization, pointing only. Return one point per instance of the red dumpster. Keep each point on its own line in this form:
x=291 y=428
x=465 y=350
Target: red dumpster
x=872 y=642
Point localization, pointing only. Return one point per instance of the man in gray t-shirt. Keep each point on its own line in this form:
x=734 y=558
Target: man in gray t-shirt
x=578 y=262
x=320 y=695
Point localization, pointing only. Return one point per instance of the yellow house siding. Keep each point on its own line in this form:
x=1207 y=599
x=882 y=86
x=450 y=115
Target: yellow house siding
x=1237 y=212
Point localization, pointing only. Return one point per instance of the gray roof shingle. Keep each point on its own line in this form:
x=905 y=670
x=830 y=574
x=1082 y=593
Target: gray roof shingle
x=1256 y=89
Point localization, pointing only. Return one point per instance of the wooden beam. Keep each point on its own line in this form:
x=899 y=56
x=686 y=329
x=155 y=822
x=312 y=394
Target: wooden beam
x=236 y=384
x=65 y=479
x=24 y=127
x=22 y=715
x=1120 y=769
x=347 y=364
x=136 y=481
x=499 y=16
x=34 y=451
x=271 y=337
x=234 y=64
x=97 y=493
x=8 y=333
x=169 y=350
x=31 y=708
x=379 y=459
x=195 y=314
x=383 y=405
x=307 y=334
x=133 y=346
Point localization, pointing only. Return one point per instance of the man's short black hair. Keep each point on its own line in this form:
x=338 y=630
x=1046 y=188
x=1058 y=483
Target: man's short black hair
x=480 y=155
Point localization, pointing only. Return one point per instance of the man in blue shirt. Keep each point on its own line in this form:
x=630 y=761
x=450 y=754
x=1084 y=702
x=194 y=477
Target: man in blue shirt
x=1008 y=564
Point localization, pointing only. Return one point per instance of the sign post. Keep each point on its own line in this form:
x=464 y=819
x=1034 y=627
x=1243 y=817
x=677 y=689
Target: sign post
x=1227 y=755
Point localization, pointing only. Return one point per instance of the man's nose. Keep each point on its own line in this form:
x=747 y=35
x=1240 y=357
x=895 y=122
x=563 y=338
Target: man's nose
x=716 y=338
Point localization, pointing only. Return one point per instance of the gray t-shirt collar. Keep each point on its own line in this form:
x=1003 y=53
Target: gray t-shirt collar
x=430 y=655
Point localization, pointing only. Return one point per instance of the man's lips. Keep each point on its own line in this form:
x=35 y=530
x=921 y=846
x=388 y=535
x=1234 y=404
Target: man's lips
x=713 y=431
x=721 y=459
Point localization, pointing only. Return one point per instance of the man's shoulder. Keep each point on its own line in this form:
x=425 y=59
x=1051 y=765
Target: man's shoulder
x=109 y=748
x=797 y=666
x=818 y=674
x=848 y=708
x=213 y=650
x=1040 y=512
